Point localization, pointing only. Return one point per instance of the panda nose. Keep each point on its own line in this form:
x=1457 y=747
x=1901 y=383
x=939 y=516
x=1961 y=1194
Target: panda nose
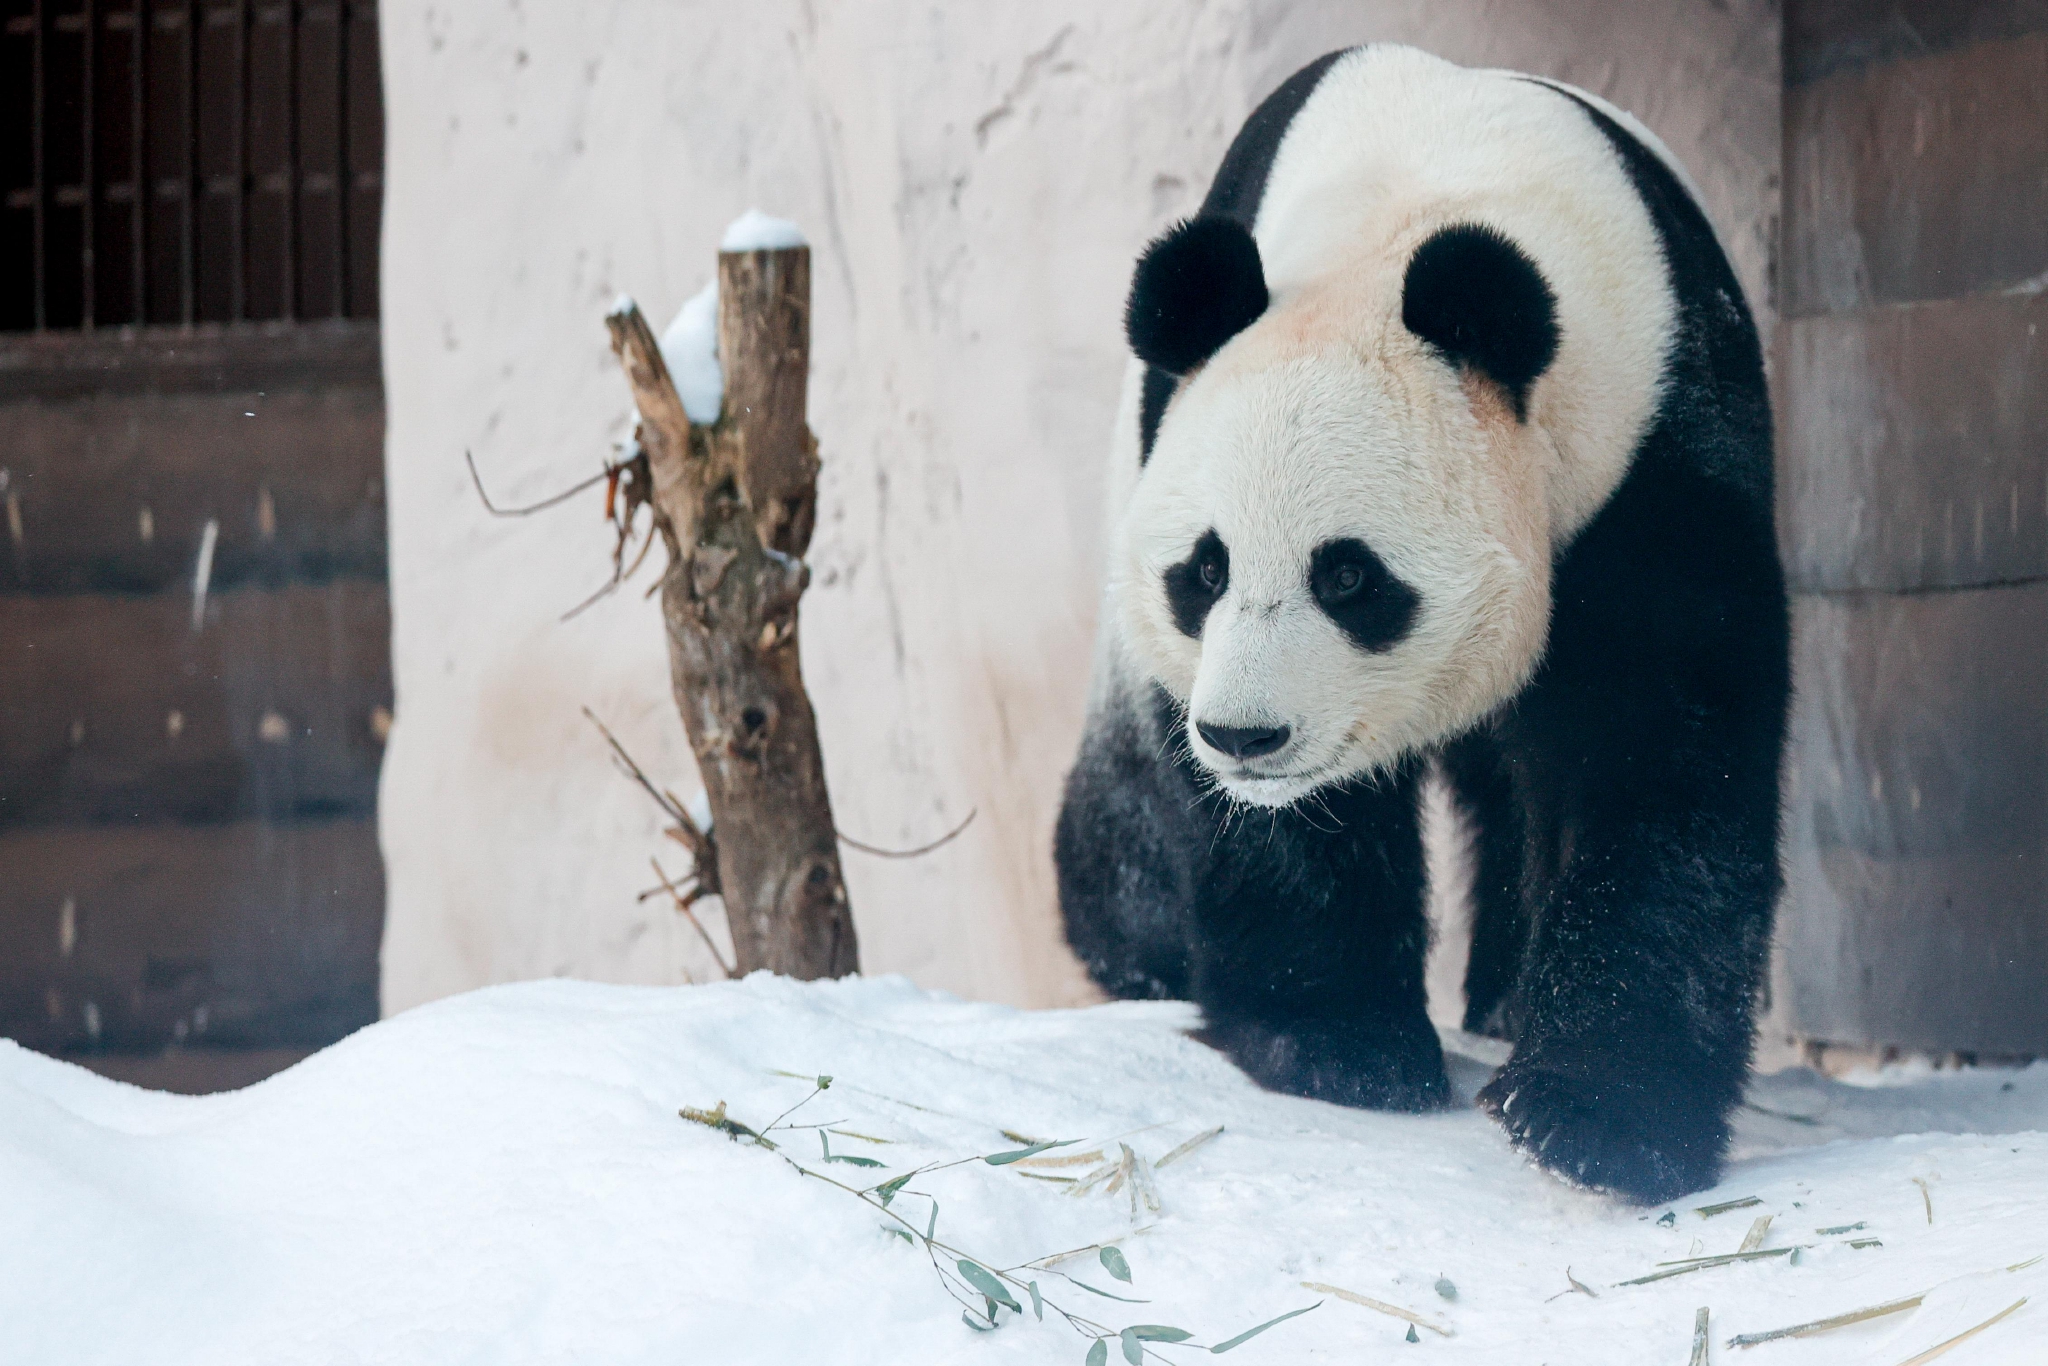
x=1244 y=742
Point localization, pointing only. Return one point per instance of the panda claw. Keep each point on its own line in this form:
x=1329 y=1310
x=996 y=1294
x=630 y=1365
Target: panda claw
x=1597 y=1127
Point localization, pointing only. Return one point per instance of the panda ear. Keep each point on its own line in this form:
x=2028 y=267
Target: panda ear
x=1479 y=300
x=1195 y=288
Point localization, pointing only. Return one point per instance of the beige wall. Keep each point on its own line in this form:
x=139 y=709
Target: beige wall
x=975 y=179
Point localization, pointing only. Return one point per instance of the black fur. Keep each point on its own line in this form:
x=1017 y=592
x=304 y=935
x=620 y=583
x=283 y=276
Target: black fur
x=1361 y=594
x=1235 y=194
x=1625 y=805
x=1194 y=585
x=1153 y=395
x=1474 y=296
x=1240 y=183
x=1197 y=286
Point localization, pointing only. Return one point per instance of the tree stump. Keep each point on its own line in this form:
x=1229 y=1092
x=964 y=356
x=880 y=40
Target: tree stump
x=735 y=504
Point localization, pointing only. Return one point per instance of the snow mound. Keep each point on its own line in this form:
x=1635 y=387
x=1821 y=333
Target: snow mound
x=690 y=348
x=757 y=231
x=504 y=1177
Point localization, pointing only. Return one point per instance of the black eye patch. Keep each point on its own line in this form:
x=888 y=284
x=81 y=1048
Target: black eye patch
x=1361 y=594
x=1194 y=585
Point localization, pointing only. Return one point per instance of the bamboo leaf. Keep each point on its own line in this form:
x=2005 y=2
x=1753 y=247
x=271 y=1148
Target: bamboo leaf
x=1133 y=1351
x=1113 y=1262
x=933 y=1226
x=1158 y=1332
x=1037 y=1300
x=1449 y=1291
x=1005 y=1159
x=1184 y=1149
x=1248 y=1334
x=1122 y=1299
x=967 y=1318
x=888 y=1189
x=852 y=1161
x=1098 y=1354
x=1709 y=1211
x=982 y=1279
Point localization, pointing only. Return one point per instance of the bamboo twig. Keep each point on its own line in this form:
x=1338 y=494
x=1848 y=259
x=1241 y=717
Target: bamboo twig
x=1378 y=1306
x=683 y=904
x=1854 y=1316
x=1942 y=1348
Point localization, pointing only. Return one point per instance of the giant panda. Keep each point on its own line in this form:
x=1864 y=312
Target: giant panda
x=1446 y=447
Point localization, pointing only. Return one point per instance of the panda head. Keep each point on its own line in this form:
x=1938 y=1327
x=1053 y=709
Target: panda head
x=1338 y=552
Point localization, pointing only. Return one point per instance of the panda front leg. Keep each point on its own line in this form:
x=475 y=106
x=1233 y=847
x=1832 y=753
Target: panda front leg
x=1637 y=994
x=1309 y=946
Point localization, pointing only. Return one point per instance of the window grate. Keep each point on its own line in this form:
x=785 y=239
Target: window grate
x=182 y=161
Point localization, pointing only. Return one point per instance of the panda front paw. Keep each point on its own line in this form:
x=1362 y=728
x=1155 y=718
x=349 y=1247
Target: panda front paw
x=1369 y=1066
x=1599 y=1123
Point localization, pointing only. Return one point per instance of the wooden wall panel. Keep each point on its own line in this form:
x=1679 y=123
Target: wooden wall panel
x=1911 y=445
x=1826 y=36
x=241 y=934
x=1925 y=179
x=1919 y=819
x=195 y=678
x=114 y=491
x=1913 y=505
x=119 y=710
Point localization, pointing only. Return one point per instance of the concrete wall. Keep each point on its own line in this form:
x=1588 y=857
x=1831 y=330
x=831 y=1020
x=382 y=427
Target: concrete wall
x=976 y=180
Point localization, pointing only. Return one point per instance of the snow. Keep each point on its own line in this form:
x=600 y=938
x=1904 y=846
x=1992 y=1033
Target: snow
x=504 y=1177
x=690 y=347
x=756 y=231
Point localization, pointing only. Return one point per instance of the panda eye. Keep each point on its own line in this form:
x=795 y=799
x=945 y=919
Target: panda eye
x=1361 y=595
x=1197 y=583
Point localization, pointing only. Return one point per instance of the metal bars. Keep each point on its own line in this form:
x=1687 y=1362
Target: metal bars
x=188 y=161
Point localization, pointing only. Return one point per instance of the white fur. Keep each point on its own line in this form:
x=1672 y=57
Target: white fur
x=1327 y=418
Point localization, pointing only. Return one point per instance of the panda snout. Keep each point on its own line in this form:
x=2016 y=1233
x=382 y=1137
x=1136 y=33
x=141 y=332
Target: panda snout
x=1245 y=742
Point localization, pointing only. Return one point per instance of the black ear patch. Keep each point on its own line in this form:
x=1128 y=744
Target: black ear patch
x=1479 y=300
x=1195 y=288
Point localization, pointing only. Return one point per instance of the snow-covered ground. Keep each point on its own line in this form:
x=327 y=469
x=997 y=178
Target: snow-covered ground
x=504 y=1177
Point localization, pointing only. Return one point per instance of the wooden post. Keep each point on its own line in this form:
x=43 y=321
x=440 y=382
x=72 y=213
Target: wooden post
x=735 y=504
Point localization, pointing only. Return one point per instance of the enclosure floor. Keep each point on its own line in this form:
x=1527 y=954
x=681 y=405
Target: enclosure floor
x=504 y=1177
